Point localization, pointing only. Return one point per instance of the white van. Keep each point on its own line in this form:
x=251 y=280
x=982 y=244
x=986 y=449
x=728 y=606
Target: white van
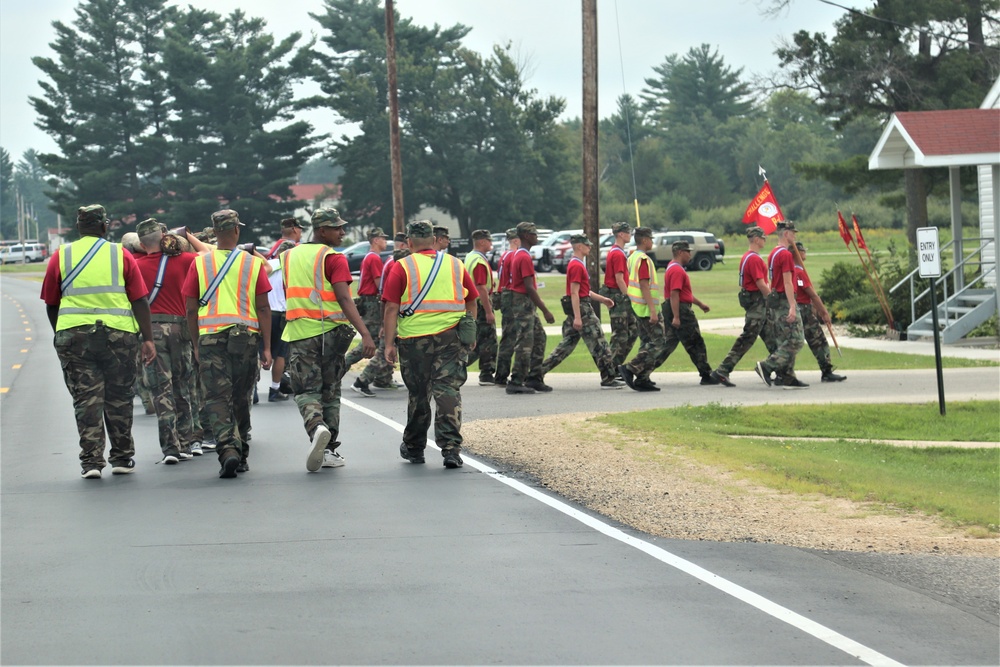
x=30 y=252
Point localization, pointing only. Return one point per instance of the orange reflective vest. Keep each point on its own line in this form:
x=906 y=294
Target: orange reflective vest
x=235 y=301
x=311 y=306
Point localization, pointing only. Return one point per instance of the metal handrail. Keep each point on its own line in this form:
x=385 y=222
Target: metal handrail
x=909 y=278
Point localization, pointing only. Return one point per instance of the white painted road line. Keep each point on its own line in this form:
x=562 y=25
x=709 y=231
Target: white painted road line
x=835 y=639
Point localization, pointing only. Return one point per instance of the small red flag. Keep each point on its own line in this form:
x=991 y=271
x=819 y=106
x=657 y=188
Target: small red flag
x=845 y=233
x=764 y=211
x=857 y=233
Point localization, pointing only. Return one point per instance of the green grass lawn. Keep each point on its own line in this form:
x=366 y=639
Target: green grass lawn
x=961 y=485
x=718 y=347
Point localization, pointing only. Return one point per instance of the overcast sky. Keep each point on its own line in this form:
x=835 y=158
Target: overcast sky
x=545 y=33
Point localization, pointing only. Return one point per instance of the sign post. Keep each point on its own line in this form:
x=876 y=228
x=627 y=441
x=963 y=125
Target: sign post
x=929 y=258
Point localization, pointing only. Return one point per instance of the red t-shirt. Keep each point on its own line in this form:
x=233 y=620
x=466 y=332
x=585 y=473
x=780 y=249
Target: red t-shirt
x=193 y=289
x=752 y=269
x=576 y=272
x=135 y=286
x=617 y=262
x=480 y=274
x=780 y=262
x=503 y=275
x=801 y=281
x=169 y=300
x=386 y=268
x=395 y=282
x=676 y=278
x=521 y=266
x=371 y=274
x=336 y=269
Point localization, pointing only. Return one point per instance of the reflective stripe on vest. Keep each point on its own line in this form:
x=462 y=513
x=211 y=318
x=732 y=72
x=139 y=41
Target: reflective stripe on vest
x=475 y=258
x=639 y=304
x=308 y=293
x=97 y=292
x=235 y=300
x=444 y=303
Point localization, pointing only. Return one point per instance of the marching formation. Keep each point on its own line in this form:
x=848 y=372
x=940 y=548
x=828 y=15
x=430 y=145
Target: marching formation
x=192 y=319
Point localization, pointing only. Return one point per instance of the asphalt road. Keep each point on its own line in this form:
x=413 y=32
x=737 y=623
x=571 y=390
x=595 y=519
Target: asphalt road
x=386 y=562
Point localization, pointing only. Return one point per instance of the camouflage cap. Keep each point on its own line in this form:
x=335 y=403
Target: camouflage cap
x=480 y=234
x=642 y=231
x=579 y=238
x=376 y=232
x=786 y=226
x=526 y=228
x=285 y=245
x=327 y=217
x=511 y=233
x=227 y=218
x=441 y=231
x=91 y=215
x=620 y=227
x=420 y=229
x=800 y=246
x=147 y=226
x=755 y=231
x=680 y=246
x=288 y=223
x=399 y=238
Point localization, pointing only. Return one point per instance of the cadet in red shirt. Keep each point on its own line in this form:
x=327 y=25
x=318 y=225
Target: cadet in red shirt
x=813 y=314
x=624 y=329
x=581 y=320
x=679 y=321
x=527 y=330
x=785 y=324
x=171 y=379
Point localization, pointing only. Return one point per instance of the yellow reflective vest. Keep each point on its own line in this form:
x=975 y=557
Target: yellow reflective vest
x=311 y=306
x=97 y=292
x=235 y=301
x=639 y=304
x=474 y=259
x=444 y=303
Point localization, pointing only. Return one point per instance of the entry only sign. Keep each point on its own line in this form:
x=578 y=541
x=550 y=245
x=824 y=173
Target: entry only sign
x=929 y=252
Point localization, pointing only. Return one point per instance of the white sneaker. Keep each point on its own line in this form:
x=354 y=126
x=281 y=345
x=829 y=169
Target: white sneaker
x=124 y=468
x=196 y=449
x=320 y=439
x=170 y=460
x=184 y=456
x=332 y=459
x=93 y=473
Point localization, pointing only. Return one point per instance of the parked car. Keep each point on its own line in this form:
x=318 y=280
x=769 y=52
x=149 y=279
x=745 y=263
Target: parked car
x=561 y=250
x=357 y=252
x=540 y=253
x=706 y=250
x=27 y=252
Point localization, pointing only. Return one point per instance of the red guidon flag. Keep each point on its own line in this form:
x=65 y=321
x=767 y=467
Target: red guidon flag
x=845 y=233
x=857 y=233
x=764 y=211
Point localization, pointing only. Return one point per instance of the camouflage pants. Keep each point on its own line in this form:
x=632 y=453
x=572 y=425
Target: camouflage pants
x=316 y=368
x=197 y=394
x=812 y=330
x=486 y=345
x=229 y=369
x=168 y=379
x=505 y=348
x=688 y=335
x=787 y=341
x=652 y=348
x=101 y=381
x=593 y=338
x=624 y=330
x=753 y=325
x=529 y=340
x=378 y=370
x=432 y=367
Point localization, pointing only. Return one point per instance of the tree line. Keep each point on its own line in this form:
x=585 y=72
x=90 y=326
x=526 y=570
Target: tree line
x=175 y=112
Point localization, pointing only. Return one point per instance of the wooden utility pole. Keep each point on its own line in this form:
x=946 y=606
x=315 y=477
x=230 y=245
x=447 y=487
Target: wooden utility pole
x=398 y=219
x=590 y=177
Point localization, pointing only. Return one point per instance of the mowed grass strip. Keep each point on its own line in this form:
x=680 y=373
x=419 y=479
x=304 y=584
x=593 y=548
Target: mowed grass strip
x=958 y=484
x=718 y=347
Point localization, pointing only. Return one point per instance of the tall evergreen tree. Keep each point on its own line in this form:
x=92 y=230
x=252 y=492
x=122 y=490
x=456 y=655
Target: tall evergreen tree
x=97 y=106
x=231 y=135
x=8 y=207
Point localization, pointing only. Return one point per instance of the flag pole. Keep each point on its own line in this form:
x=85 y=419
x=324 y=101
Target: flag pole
x=878 y=279
x=829 y=327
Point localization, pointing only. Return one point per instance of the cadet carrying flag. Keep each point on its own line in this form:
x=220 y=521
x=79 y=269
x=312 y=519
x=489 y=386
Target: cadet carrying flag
x=764 y=211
